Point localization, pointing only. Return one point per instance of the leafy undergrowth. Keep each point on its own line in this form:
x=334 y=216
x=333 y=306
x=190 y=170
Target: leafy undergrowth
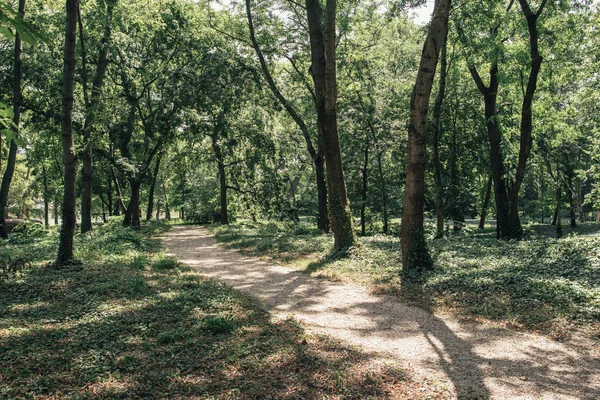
x=134 y=323
x=538 y=284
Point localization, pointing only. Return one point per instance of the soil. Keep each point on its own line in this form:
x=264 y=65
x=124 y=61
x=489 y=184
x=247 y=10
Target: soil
x=473 y=360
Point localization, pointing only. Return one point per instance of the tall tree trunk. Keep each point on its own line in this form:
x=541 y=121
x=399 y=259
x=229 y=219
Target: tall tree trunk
x=12 y=152
x=436 y=127
x=363 y=205
x=514 y=228
x=317 y=156
x=65 y=248
x=152 y=188
x=90 y=116
x=323 y=69
x=490 y=94
x=415 y=256
x=486 y=203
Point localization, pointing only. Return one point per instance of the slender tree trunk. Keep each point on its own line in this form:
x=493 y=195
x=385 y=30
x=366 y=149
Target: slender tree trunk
x=323 y=69
x=363 y=205
x=486 y=202
x=166 y=197
x=55 y=210
x=415 y=256
x=65 y=248
x=436 y=127
x=572 y=200
x=46 y=200
x=317 y=156
x=17 y=99
x=90 y=117
x=109 y=198
x=579 y=200
x=384 y=196
x=152 y=188
x=120 y=203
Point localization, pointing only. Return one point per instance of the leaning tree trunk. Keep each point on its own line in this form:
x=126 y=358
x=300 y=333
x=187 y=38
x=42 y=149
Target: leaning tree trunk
x=12 y=152
x=436 y=128
x=317 y=156
x=415 y=256
x=323 y=68
x=90 y=116
x=69 y=219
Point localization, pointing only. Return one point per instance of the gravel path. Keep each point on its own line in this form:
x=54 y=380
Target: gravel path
x=473 y=360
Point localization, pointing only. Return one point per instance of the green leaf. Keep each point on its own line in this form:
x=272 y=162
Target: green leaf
x=20 y=142
x=4 y=31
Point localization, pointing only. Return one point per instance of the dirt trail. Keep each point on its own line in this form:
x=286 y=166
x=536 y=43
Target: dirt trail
x=474 y=361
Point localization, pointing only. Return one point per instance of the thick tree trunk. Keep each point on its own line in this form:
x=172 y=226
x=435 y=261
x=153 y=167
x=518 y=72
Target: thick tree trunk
x=65 y=248
x=436 y=128
x=486 y=203
x=415 y=256
x=132 y=216
x=323 y=69
x=152 y=188
x=363 y=205
x=317 y=156
x=12 y=152
x=90 y=117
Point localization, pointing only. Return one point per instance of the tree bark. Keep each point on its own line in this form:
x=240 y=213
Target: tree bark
x=317 y=156
x=132 y=216
x=90 y=117
x=486 y=203
x=383 y=192
x=65 y=248
x=323 y=69
x=17 y=100
x=436 y=128
x=415 y=256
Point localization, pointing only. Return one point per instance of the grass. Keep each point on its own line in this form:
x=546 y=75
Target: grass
x=134 y=323
x=539 y=284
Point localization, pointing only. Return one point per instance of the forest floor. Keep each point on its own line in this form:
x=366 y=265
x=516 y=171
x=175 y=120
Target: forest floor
x=475 y=359
x=132 y=322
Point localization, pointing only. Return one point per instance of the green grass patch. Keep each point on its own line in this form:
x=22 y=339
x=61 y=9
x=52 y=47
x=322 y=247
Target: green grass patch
x=133 y=323
x=538 y=284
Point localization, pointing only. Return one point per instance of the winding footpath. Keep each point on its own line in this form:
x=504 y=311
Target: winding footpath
x=471 y=360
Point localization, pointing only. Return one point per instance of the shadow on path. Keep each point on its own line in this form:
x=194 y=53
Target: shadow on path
x=476 y=361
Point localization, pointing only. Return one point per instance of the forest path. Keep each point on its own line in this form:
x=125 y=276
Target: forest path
x=473 y=360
